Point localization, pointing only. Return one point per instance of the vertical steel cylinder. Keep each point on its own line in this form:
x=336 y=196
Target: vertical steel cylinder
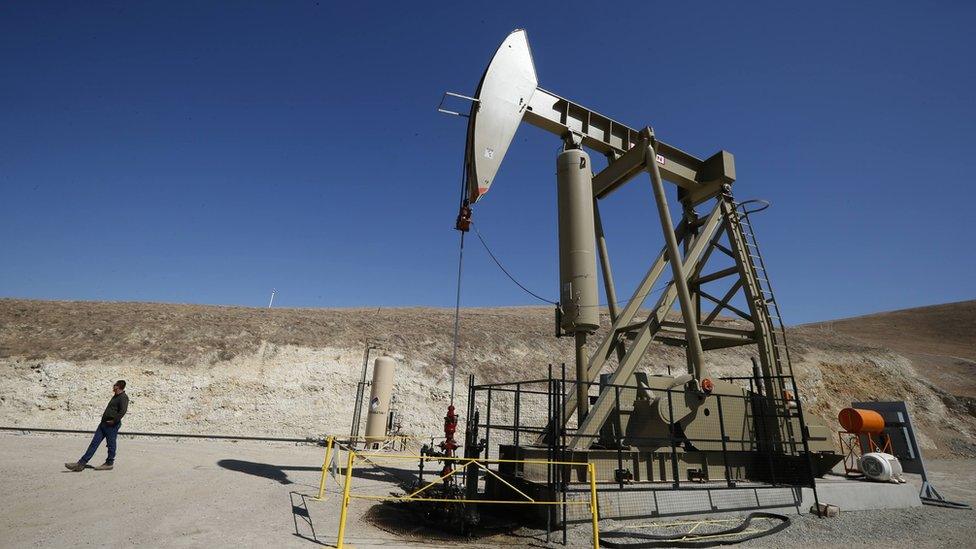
x=379 y=399
x=577 y=258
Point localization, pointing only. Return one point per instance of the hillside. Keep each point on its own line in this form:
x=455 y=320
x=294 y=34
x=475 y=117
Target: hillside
x=288 y=372
x=940 y=340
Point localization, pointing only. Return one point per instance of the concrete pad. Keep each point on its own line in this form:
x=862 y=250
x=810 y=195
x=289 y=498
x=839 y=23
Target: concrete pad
x=863 y=495
x=640 y=502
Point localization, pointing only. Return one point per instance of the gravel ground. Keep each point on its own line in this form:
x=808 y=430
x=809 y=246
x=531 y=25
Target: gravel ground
x=919 y=527
x=191 y=493
x=924 y=526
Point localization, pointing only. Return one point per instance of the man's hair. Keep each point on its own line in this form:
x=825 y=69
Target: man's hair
x=121 y=383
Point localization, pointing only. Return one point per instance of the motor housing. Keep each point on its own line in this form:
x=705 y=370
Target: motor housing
x=881 y=467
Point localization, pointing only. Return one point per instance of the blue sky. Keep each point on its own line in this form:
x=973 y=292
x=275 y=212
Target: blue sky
x=207 y=152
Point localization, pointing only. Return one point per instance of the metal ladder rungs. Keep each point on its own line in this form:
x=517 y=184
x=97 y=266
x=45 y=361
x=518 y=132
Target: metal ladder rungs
x=763 y=287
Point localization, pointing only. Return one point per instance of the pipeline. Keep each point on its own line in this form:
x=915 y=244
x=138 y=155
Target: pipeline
x=169 y=435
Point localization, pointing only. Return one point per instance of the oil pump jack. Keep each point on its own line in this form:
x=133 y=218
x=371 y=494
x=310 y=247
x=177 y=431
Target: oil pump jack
x=713 y=228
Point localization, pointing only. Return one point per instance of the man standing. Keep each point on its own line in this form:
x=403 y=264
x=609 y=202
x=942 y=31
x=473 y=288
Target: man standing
x=108 y=429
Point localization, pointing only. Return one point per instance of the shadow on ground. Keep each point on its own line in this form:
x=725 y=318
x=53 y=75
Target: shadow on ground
x=413 y=521
x=299 y=510
x=266 y=470
x=279 y=473
x=419 y=522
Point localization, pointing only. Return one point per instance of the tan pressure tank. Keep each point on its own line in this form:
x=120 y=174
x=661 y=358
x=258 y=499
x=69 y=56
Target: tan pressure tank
x=379 y=399
x=577 y=245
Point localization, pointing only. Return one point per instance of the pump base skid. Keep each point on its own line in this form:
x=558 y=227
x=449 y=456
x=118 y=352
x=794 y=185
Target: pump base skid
x=648 y=497
x=657 y=468
x=847 y=495
x=649 y=488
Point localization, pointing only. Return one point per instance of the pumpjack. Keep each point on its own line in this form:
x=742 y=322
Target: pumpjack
x=716 y=272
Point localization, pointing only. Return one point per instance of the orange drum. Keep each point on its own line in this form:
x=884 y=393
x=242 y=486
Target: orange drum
x=855 y=420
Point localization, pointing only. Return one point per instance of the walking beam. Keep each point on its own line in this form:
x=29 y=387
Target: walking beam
x=509 y=94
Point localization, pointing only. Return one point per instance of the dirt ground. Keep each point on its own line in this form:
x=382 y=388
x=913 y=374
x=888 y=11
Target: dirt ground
x=184 y=493
x=190 y=493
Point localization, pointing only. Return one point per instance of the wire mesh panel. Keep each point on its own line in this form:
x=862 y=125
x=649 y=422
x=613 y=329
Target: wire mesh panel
x=657 y=438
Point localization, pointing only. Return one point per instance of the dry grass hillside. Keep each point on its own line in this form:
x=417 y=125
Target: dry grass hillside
x=287 y=372
x=940 y=340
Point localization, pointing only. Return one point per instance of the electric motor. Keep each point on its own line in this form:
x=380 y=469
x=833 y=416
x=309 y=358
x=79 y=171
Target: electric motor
x=881 y=467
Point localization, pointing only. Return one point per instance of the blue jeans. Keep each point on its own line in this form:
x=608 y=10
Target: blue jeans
x=109 y=433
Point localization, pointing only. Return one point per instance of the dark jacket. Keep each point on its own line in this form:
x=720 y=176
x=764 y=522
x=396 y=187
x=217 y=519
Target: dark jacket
x=116 y=408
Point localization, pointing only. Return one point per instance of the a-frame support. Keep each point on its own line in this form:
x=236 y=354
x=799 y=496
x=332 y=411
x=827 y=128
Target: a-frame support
x=629 y=339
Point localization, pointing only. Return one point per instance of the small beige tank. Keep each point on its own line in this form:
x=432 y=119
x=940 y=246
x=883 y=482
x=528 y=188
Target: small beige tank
x=379 y=399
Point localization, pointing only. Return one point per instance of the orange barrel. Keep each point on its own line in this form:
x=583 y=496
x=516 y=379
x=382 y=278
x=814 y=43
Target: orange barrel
x=855 y=420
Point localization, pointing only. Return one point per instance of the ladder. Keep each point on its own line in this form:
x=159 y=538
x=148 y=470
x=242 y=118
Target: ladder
x=780 y=349
x=771 y=331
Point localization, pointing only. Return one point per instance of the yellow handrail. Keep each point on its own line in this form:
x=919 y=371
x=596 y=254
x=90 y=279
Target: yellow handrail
x=594 y=506
x=325 y=467
x=345 y=500
x=485 y=460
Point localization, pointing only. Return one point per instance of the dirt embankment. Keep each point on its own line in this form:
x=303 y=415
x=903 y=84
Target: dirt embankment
x=940 y=340
x=194 y=368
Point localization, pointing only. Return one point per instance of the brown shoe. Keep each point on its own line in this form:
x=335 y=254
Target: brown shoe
x=104 y=467
x=76 y=467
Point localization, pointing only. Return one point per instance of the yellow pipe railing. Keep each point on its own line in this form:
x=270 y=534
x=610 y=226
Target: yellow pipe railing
x=594 y=510
x=345 y=500
x=325 y=467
